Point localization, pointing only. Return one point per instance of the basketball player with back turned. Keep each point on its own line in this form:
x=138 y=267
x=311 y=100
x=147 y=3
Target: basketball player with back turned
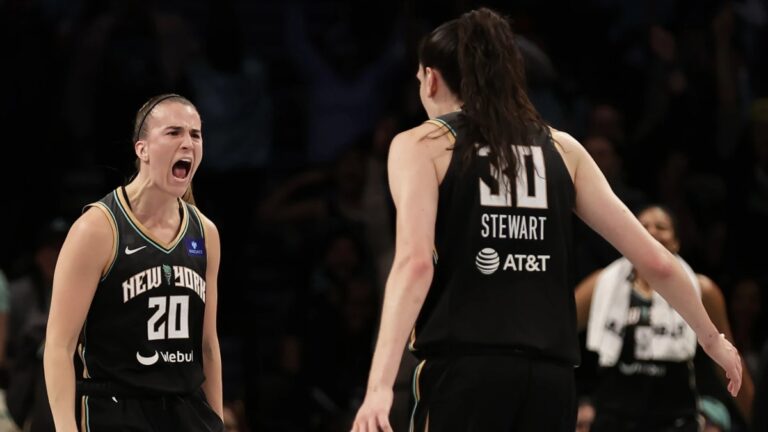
x=481 y=281
x=137 y=278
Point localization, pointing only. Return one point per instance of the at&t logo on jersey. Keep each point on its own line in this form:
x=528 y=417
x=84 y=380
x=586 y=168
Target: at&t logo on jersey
x=165 y=356
x=488 y=262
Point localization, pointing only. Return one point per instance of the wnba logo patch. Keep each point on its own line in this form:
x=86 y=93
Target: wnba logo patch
x=487 y=261
x=195 y=247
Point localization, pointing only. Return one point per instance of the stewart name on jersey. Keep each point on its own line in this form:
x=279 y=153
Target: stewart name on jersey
x=503 y=256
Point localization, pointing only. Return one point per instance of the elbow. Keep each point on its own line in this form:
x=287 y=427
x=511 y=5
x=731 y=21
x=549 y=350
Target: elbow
x=417 y=265
x=55 y=344
x=210 y=346
x=54 y=353
x=421 y=268
x=660 y=266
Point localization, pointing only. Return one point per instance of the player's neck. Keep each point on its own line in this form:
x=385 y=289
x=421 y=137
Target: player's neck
x=446 y=109
x=445 y=104
x=151 y=205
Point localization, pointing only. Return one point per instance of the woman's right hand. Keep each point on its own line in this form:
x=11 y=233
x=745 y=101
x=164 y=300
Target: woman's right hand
x=373 y=415
x=724 y=354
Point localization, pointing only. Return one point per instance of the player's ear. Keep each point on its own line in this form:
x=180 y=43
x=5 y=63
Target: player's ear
x=140 y=147
x=432 y=78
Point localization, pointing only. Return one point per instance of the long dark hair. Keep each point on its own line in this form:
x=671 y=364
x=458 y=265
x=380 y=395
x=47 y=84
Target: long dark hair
x=140 y=130
x=480 y=62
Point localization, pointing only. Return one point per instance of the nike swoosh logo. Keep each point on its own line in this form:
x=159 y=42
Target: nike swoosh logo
x=129 y=251
x=147 y=361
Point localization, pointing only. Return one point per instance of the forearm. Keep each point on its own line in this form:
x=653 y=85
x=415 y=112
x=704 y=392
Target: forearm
x=405 y=293
x=212 y=386
x=677 y=289
x=60 y=383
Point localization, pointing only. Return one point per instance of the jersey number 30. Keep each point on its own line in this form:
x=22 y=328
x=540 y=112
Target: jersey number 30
x=176 y=325
x=530 y=186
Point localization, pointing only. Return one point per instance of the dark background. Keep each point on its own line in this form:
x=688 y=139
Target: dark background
x=299 y=101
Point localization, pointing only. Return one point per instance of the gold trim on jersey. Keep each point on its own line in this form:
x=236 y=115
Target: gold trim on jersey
x=199 y=219
x=417 y=392
x=412 y=340
x=417 y=384
x=83 y=414
x=443 y=125
x=145 y=232
x=81 y=352
x=85 y=421
x=115 y=237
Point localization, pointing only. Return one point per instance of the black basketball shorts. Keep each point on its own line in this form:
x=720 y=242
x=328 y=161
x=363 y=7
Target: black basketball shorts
x=493 y=393
x=151 y=414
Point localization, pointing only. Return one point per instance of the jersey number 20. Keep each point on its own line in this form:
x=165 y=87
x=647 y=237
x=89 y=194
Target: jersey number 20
x=530 y=186
x=176 y=325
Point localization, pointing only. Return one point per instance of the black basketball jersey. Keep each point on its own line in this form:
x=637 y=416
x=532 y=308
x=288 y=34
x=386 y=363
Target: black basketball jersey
x=503 y=257
x=635 y=388
x=145 y=324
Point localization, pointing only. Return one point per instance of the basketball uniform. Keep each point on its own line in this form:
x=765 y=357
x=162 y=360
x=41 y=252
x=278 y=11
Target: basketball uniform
x=496 y=335
x=141 y=344
x=644 y=395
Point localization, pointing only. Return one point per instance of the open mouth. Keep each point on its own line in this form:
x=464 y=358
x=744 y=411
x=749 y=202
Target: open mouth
x=182 y=168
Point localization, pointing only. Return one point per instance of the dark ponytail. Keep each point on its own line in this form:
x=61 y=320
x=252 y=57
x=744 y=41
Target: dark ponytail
x=479 y=60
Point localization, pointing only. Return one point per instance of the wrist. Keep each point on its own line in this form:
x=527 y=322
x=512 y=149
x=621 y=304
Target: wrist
x=378 y=387
x=709 y=338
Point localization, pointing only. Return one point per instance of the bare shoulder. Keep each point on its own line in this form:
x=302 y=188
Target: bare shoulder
x=93 y=226
x=565 y=142
x=570 y=149
x=94 y=235
x=427 y=139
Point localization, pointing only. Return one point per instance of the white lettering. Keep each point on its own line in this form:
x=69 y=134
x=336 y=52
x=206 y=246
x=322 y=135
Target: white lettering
x=527 y=263
x=510 y=262
x=177 y=357
x=153 y=278
x=129 y=290
x=141 y=282
x=524 y=231
x=156 y=332
x=534 y=224
x=187 y=278
x=539 y=177
x=515 y=227
x=543 y=259
x=178 y=276
x=514 y=232
x=141 y=287
x=531 y=159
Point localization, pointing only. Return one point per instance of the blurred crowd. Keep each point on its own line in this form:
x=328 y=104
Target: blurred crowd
x=299 y=102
